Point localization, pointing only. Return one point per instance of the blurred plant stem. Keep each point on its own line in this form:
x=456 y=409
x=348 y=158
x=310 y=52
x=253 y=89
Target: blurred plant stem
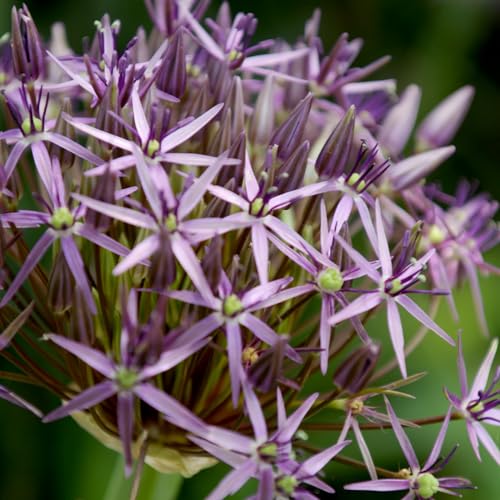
x=153 y=484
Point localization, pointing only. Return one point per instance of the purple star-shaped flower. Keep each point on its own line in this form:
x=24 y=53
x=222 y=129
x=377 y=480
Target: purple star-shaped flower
x=267 y=457
x=479 y=404
x=127 y=379
x=63 y=225
x=395 y=282
x=421 y=482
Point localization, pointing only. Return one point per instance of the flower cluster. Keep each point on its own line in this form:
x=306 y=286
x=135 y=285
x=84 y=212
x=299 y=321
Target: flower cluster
x=220 y=218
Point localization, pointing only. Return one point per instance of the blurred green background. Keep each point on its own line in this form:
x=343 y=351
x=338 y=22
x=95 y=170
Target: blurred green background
x=438 y=44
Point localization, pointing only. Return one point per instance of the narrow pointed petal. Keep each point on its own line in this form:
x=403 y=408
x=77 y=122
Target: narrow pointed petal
x=288 y=430
x=266 y=485
x=481 y=378
x=226 y=456
x=340 y=216
x=365 y=451
x=13 y=159
x=101 y=135
x=229 y=196
x=123 y=214
x=74 y=76
x=403 y=440
x=358 y=259
x=265 y=291
x=148 y=185
x=282 y=296
x=234 y=481
x=487 y=442
x=199 y=330
x=423 y=317
x=86 y=399
x=77 y=267
x=190 y=263
x=187 y=131
x=187 y=296
x=280 y=408
x=314 y=464
x=140 y=120
x=260 y=248
x=438 y=445
x=299 y=259
x=44 y=167
x=194 y=194
x=234 y=353
x=250 y=181
x=141 y=251
x=380 y=485
x=73 y=147
x=100 y=239
x=172 y=410
x=255 y=412
x=325 y=331
x=37 y=252
x=360 y=305
x=396 y=333
x=125 y=419
x=24 y=218
x=366 y=220
x=274 y=59
x=92 y=357
x=173 y=357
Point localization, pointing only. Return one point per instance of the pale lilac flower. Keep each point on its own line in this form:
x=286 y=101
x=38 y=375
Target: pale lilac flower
x=28 y=109
x=478 y=405
x=395 y=282
x=232 y=310
x=328 y=279
x=127 y=378
x=63 y=226
x=167 y=216
x=421 y=482
x=268 y=457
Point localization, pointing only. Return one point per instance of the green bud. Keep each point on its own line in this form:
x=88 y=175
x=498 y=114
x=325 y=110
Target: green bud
x=268 y=450
x=436 y=235
x=287 y=484
x=126 y=378
x=353 y=179
x=256 y=206
x=428 y=485
x=330 y=280
x=37 y=125
x=234 y=54
x=232 y=305
x=61 y=219
x=395 y=286
x=153 y=147
x=171 y=222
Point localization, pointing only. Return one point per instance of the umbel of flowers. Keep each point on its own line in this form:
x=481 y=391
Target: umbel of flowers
x=218 y=219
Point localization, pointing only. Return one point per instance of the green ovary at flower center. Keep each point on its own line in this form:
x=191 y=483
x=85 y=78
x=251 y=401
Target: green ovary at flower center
x=287 y=484
x=153 y=147
x=394 y=286
x=476 y=408
x=436 y=235
x=126 y=378
x=268 y=450
x=355 y=182
x=330 y=280
x=171 y=222
x=232 y=305
x=27 y=127
x=257 y=207
x=62 y=219
x=428 y=485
